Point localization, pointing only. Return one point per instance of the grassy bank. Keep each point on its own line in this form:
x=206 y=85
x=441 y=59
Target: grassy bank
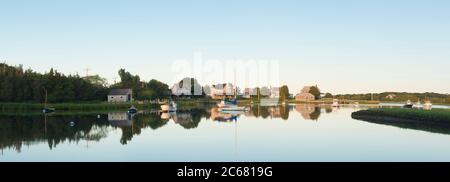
x=436 y=120
x=435 y=115
x=330 y=101
x=22 y=107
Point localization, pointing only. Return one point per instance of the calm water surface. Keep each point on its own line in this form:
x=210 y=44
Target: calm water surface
x=294 y=133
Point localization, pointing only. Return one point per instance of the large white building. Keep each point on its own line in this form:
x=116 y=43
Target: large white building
x=221 y=91
x=179 y=90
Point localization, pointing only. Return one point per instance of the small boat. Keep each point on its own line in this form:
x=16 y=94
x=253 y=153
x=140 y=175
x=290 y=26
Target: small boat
x=356 y=104
x=48 y=110
x=408 y=104
x=170 y=107
x=132 y=110
x=233 y=108
x=335 y=103
x=227 y=103
x=230 y=105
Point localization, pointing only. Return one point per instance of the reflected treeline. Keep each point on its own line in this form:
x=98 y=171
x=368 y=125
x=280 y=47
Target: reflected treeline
x=16 y=131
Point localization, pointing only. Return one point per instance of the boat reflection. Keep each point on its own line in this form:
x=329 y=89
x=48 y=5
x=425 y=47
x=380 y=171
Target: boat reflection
x=225 y=116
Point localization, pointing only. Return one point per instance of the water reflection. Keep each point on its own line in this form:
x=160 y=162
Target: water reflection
x=18 y=131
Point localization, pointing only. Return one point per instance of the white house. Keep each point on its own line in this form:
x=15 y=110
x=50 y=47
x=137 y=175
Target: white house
x=249 y=92
x=180 y=90
x=221 y=91
x=120 y=95
x=275 y=92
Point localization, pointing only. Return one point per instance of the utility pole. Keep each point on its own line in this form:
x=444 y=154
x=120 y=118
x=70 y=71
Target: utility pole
x=87 y=71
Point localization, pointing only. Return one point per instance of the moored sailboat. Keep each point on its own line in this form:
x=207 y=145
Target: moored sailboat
x=46 y=109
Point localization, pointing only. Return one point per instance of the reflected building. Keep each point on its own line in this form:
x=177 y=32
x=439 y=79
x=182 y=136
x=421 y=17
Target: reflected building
x=120 y=119
x=269 y=111
x=308 y=111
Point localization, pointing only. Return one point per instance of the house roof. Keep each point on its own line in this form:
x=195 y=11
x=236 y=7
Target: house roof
x=120 y=92
x=306 y=89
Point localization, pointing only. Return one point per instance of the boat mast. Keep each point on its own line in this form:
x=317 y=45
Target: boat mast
x=45 y=100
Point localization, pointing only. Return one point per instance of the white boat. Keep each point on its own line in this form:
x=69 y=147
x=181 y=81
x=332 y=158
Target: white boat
x=335 y=103
x=428 y=105
x=233 y=108
x=224 y=104
x=230 y=106
x=171 y=107
x=408 y=104
x=356 y=104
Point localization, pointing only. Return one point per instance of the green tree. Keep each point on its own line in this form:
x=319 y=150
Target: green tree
x=328 y=95
x=314 y=90
x=160 y=89
x=17 y=85
x=284 y=93
x=96 y=80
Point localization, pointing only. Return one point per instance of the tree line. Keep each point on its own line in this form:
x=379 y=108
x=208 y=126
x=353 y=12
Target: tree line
x=28 y=86
x=398 y=97
x=19 y=85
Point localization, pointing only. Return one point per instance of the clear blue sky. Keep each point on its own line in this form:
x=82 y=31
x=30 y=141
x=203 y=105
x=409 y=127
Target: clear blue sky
x=344 y=46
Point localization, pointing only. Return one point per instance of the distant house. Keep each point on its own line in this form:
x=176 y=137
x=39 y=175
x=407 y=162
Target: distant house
x=249 y=92
x=221 y=91
x=305 y=96
x=178 y=90
x=120 y=95
x=275 y=92
x=391 y=96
